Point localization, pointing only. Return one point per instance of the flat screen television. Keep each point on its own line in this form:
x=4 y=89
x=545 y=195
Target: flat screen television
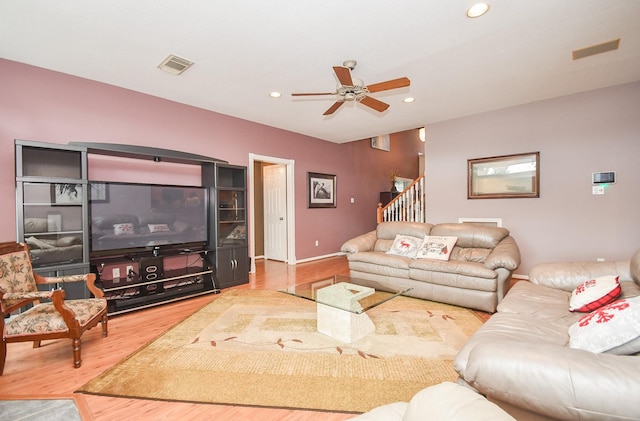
x=129 y=217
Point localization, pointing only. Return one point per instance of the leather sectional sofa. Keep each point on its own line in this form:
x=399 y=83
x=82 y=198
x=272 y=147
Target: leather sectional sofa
x=475 y=275
x=442 y=402
x=522 y=360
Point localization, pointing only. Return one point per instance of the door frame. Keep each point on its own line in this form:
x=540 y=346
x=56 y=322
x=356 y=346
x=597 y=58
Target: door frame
x=291 y=223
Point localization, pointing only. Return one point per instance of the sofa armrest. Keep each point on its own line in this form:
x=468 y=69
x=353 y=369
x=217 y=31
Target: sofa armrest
x=556 y=381
x=505 y=255
x=364 y=242
x=568 y=275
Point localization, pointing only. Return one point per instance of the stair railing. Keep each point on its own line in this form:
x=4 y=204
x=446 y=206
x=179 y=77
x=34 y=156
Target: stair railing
x=410 y=205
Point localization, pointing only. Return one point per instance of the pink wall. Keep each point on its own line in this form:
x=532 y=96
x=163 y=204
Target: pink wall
x=46 y=106
x=576 y=136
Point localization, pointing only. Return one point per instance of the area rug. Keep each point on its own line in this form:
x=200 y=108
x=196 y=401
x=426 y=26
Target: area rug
x=261 y=348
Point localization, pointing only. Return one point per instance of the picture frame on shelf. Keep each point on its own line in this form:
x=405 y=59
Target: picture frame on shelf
x=506 y=176
x=65 y=194
x=322 y=190
x=98 y=192
x=54 y=221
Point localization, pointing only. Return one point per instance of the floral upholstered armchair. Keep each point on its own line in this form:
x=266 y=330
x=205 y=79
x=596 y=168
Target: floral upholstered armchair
x=53 y=319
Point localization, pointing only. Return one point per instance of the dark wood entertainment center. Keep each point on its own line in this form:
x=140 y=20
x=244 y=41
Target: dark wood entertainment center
x=53 y=209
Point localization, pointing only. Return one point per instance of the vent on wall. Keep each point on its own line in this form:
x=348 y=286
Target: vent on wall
x=174 y=64
x=596 y=49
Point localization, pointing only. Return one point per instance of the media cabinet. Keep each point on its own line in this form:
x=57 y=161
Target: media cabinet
x=53 y=209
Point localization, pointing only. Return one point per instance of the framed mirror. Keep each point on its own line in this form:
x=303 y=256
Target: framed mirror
x=506 y=176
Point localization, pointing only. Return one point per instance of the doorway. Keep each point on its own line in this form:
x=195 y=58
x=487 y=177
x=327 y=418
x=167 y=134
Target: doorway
x=279 y=234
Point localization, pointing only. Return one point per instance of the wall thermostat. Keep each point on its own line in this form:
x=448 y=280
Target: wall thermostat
x=608 y=177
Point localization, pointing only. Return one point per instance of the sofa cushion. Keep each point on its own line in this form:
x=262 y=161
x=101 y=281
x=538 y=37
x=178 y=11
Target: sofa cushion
x=472 y=235
x=452 y=402
x=470 y=254
x=406 y=245
x=607 y=327
x=634 y=267
x=390 y=412
x=594 y=293
x=454 y=267
x=510 y=327
x=386 y=232
x=380 y=264
x=438 y=248
x=540 y=302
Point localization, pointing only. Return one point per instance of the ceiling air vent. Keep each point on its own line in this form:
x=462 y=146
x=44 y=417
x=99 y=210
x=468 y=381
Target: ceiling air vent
x=174 y=64
x=596 y=49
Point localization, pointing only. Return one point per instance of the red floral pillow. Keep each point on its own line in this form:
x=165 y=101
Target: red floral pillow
x=608 y=327
x=594 y=293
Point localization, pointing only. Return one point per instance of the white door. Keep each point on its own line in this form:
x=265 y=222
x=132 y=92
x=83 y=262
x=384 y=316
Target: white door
x=275 y=212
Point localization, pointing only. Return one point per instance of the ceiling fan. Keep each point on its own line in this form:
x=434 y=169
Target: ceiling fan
x=353 y=89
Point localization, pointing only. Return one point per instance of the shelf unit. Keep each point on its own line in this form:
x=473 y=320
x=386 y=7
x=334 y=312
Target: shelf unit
x=133 y=292
x=232 y=253
x=52 y=209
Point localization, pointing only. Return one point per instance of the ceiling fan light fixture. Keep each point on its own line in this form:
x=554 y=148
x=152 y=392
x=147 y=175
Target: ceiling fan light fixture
x=477 y=10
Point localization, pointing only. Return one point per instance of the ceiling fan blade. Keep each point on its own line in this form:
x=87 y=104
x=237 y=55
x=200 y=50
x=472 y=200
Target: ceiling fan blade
x=344 y=75
x=374 y=103
x=313 y=93
x=389 y=84
x=333 y=108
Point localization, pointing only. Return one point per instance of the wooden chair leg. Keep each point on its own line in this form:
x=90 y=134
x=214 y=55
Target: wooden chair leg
x=77 y=360
x=36 y=344
x=104 y=322
x=3 y=355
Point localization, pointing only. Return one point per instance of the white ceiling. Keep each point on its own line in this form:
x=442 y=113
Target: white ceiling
x=517 y=53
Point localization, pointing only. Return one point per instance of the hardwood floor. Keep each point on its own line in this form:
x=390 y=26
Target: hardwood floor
x=48 y=371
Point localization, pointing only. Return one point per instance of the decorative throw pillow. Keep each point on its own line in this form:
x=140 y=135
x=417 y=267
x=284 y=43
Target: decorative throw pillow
x=630 y=348
x=594 y=293
x=158 y=228
x=434 y=247
x=607 y=327
x=123 y=229
x=405 y=245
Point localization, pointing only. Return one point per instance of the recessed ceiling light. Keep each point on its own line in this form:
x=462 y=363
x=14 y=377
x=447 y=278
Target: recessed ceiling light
x=408 y=99
x=275 y=94
x=477 y=10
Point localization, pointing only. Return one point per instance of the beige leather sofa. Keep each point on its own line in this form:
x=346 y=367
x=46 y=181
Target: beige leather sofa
x=520 y=358
x=443 y=402
x=475 y=276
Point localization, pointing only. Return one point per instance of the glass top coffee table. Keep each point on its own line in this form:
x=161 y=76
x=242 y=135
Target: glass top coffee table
x=342 y=303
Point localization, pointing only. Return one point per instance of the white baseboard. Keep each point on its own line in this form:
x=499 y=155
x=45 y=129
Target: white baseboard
x=311 y=259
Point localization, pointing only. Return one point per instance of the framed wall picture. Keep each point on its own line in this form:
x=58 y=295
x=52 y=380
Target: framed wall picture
x=66 y=194
x=506 y=176
x=382 y=142
x=322 y=190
